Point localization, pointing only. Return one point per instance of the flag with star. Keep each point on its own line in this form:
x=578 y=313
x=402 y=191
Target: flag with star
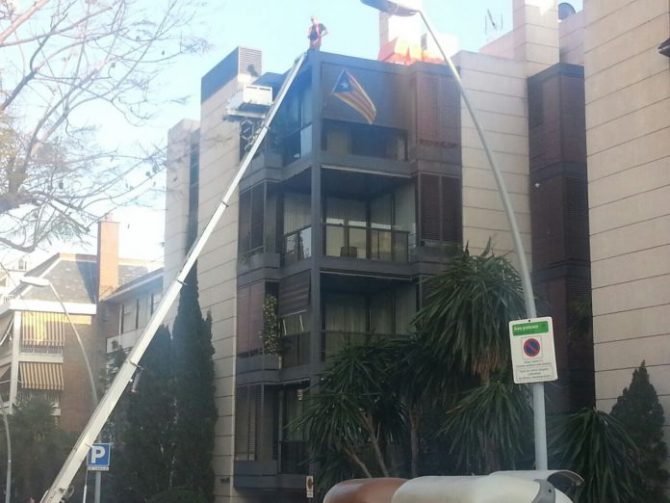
x=350 y=91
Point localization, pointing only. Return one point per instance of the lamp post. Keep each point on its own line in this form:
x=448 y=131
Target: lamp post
x=8 y=483
x=411 y=8
x=42 y=283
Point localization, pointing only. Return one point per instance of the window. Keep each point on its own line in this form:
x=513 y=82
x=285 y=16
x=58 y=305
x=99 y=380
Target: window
x=346 y=138
x=252 y=221
x=155 y=300
x=128 y=317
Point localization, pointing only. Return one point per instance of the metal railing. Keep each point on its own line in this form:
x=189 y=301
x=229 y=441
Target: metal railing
x=297 y=246
x=366 y=243
x=332 y=341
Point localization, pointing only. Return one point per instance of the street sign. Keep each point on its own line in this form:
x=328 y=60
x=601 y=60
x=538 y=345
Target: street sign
x=309 y=486
x=98 y=457
x=533 y=353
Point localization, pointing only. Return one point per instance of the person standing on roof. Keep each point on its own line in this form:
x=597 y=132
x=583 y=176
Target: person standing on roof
x=315 y=34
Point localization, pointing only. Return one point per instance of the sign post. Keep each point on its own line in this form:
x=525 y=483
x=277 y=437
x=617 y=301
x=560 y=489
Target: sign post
x=532 y=348
x=99 y=457
x=309 y=486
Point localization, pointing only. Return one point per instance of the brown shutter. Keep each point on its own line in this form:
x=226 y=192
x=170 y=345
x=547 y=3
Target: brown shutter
x=294 y=293
x=430 y=207
x=451 y=210
x=243 y=319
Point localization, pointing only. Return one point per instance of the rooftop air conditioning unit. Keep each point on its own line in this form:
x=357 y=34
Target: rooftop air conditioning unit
x=251 y=101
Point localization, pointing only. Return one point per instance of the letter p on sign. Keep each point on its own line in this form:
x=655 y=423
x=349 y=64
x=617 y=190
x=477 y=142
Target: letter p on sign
x=99 y=457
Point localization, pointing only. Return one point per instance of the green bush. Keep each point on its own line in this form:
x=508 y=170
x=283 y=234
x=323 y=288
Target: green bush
x=178 y=496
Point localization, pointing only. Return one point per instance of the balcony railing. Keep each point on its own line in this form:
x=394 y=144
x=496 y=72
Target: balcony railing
x=297 y=246
x=333 y=341
x=294 y=459
x=295 y=350
x=366 y=243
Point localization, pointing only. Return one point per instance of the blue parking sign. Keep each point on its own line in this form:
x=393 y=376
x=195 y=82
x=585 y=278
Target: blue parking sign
x=99 y=456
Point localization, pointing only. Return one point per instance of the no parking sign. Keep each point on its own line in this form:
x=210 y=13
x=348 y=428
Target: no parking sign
x=532 y=348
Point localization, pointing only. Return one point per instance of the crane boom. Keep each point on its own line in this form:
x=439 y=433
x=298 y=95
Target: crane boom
x=111 y=397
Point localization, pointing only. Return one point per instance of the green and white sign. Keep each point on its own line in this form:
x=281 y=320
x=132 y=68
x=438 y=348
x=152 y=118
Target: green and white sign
x=532 y=348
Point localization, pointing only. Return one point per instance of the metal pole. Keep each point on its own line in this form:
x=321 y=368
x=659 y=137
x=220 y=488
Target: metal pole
x=94 y=391
x=8 y=483
x=529 y=299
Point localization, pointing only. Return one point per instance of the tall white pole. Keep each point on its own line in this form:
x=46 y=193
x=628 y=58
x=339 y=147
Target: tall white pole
x=8 y=482
x=540 y=424
x=94 y=390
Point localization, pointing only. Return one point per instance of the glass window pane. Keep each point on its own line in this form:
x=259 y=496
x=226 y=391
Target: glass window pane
x=334 y=240
x=381 y=212
x=357 y=242
x=297 y=212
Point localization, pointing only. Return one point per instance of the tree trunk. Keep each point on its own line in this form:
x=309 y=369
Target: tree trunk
x=358 y=462
x=414 y=421
x=375 y=445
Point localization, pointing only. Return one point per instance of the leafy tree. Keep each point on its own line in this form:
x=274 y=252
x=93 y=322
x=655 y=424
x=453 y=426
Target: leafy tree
x=63 y=63
x=144 y=449
x=641 y=414
x=196 y=412
x=595 y=445
x=39 y=447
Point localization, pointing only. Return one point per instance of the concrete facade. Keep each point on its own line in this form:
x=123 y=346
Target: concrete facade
x=628 y=134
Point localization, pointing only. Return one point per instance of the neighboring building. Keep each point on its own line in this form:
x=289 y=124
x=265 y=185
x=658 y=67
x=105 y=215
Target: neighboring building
x=628 y=133
x=346 y=209
x=39 y=354
x=10 y=275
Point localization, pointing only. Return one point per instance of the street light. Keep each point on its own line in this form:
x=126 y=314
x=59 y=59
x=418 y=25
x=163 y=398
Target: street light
x=410 y=8
x=45 y=283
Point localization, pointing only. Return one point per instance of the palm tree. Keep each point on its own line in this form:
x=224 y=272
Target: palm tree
x=467 y=310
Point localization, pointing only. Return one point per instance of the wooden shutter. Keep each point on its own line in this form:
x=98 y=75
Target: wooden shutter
x=294 y=294
x=430 y=207
x=451 y=210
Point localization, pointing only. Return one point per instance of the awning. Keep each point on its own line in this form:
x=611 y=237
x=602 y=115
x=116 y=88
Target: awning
x=43 y=329
x=43 y=376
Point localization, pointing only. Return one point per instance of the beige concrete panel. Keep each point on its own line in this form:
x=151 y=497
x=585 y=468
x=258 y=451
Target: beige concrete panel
x=639 y=95
x=624 y=74
x=606 y=19
x=493 y=82
x=639 y=265
x=502 y=239
x=628 y=45
x=498 y=142
x=636 y=152
x=543 y=54
x=637 y=208
x=489 y=199
x=509 y=164
x=483 y=178
x=501 y=123
x=630 y=353
x=623 y=240
x=502 y=47
x=498 y=103
x=636 y=180
x=493 y=219
x=604 y=405
x=632 y=295
x=635 y=124
x=610 y=384
x=645 y=322
x=224 y=367
x=224 y=341
x=469 y=61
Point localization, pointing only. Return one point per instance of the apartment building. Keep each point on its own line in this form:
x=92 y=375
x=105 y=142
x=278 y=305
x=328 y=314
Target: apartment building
x=353 y=200
x=39 y=353
x=627 y=65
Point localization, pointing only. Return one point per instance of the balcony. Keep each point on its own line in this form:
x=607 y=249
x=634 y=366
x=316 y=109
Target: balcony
x=295 y=350
x=366 y=243
x=297 y=246
x=333 y=341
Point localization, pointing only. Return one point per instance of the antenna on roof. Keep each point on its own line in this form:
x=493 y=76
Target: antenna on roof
x=492 y=27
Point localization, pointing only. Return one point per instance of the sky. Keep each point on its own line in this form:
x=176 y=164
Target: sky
x=278 y=28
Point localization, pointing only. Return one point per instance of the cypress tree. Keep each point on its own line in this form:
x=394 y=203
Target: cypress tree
x=144 y=450
x=641 y=414
x=194 y=385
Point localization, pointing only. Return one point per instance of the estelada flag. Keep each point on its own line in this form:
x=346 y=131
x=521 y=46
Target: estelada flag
x=349 y=90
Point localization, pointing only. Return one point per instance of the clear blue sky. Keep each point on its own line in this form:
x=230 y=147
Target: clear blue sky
x=278 y=28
